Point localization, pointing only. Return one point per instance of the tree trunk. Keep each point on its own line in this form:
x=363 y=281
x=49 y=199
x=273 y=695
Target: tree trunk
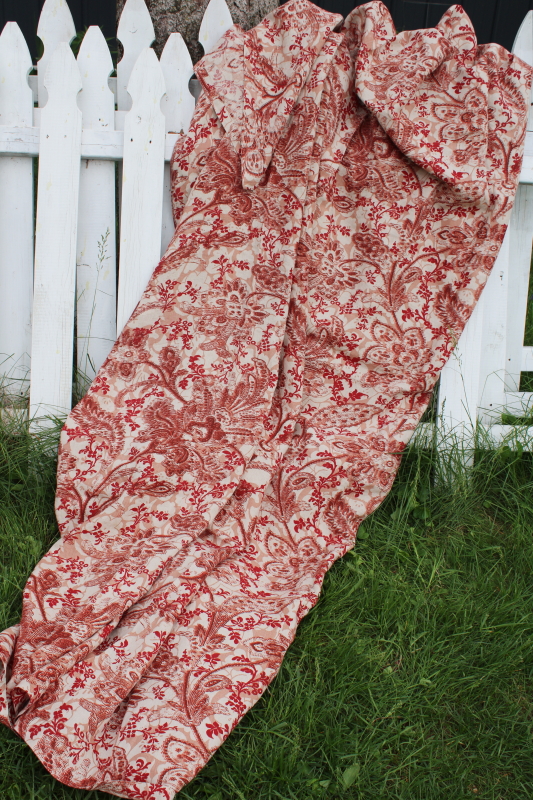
x=185 y=16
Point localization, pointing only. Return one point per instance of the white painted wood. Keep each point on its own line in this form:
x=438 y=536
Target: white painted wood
x=100 y=144
x=493 y=335
x=178 y=107
x=216 y=21
x=16 y=219
x=120 y=117
x=526 y=173
x=519 y=358
x=135 y=32
x=460 y=378
x=523 y=43
x=55 y=240
x=96 y=100
x=19 y=141
x=195 y=86
x=523 y=48
x=527 y=359
x=512 y=435
x=521 y=233
x=96 y=248
x=55 y=25
x=519 y=403
x=142 y=184
x=178 y=103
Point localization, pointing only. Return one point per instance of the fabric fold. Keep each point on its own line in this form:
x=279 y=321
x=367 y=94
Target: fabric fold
x=433 y=92
x=253 y=79
x=340 y=199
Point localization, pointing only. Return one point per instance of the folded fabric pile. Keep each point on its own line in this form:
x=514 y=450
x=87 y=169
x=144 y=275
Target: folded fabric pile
x=340 y=199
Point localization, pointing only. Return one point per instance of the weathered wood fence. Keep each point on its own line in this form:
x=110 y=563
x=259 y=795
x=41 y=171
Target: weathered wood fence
x=58 y=228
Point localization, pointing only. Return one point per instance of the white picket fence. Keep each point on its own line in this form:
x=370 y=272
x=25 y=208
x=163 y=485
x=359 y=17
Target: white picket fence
x=58 y=266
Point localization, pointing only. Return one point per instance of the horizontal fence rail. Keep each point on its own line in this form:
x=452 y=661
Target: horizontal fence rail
x=80 y=128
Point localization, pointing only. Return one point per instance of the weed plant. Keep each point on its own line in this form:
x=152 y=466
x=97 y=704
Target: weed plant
x=412 y=677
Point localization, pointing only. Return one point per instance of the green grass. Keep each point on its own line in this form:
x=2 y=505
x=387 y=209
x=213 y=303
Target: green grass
x=412 y=678
x=526 y=382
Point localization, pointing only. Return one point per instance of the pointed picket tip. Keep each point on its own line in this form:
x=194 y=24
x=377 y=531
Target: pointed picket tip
x=177 y=66
x=55 y=25
x=523 y=43
x=217 y=20
x=56 y=21
x=135 y=32
x=135 y=21
x=16 y=97
x=96 y=101
x=95 y=48
x=176 y=52
x=13 y=46
x=62 y=75
x=147 y=70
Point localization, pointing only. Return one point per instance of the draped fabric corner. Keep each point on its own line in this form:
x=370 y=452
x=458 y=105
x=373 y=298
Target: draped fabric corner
x=340 y=199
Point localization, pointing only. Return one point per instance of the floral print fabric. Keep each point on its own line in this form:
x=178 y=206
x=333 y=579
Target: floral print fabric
x=339 y=200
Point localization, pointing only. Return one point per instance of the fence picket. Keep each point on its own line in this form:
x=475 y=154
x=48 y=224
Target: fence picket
x=460 y=380
x=178 y=107
x=216 y=21
x=135 y=32
x=505 y=303
x=142 y=184
x=493 y=336
x=96 y=248
x=520 y=230
x=55 y=240
x=523 y=48
x=178 y=103
x=55 y=25
x=16 y=218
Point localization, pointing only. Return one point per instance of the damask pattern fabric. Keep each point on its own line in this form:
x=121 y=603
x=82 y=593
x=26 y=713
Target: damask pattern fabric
x=339 y=199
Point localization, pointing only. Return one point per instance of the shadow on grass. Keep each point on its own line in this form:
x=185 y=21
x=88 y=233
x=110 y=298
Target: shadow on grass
x=411 y=678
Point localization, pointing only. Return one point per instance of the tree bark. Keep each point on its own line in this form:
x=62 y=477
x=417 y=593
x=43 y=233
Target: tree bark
x=185 y=16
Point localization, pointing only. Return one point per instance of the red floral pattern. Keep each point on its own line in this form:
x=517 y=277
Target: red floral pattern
x=339 y=199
